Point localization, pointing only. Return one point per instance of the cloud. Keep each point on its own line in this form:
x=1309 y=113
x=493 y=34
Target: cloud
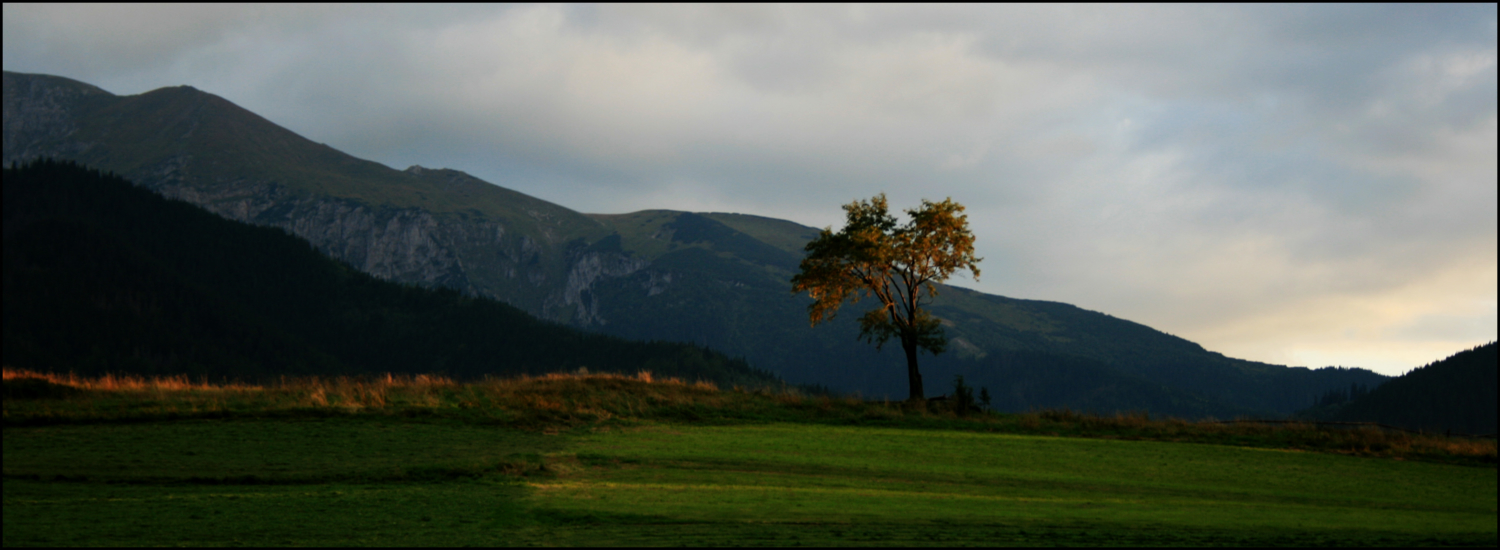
x=1255 y=178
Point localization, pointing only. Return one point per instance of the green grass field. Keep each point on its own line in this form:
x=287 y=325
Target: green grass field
x=870 y=486
x=121 y=471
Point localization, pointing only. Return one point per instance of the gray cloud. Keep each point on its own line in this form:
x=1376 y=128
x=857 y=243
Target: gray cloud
x=1295 y=184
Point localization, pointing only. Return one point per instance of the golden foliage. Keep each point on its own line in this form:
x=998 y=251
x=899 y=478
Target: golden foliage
x=899 y=265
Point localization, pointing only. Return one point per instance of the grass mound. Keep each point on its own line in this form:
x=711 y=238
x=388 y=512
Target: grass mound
x=562 y=402
x=32 y=387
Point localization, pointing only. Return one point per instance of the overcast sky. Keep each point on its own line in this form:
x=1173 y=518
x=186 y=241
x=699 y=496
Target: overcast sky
x=1302 y=185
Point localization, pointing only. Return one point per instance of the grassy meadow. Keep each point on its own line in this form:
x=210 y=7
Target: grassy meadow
x=613 y=460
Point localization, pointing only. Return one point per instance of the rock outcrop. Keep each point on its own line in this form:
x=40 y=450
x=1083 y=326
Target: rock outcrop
x=39 y=116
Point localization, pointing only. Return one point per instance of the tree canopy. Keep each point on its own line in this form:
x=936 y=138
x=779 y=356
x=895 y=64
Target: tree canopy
x=898 y=264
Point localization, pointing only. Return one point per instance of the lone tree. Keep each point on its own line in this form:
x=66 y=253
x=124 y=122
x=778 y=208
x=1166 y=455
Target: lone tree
x=874 y=256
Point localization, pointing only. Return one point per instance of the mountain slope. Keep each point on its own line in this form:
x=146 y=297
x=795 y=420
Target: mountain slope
x=715 y=285
x=431 y=227
x=713 y=279
x=101 y=276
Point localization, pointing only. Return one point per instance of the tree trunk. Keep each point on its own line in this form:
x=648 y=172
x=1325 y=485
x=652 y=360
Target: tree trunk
x=912 y=375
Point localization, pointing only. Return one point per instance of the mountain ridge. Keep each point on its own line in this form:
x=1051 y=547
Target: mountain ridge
x=714 y=279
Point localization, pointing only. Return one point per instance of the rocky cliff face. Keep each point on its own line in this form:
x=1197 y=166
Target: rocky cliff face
x=528 y=259
x=405 y=244
x=587 y=270
x=40 y=118
x=412 y=245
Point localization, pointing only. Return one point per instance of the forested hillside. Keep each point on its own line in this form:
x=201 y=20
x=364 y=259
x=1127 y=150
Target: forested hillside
x=102 y=276
x=1456 y=394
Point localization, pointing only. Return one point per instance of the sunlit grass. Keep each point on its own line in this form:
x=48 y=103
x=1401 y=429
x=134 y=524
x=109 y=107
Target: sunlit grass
x=124 y=382
x=553 y=399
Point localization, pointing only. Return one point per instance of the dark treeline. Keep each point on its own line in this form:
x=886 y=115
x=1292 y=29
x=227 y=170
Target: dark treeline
x=101 y=276
x=1020 y=381
x=1457 y=394
x=1340 y=396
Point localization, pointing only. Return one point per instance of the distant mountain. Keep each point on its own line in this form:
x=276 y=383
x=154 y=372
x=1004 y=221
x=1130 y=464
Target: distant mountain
x=101 y=276
x=1457 y=394
x=713 y=279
